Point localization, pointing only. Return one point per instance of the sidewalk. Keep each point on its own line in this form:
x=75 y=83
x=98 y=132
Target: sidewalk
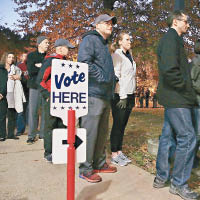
x=25 y=175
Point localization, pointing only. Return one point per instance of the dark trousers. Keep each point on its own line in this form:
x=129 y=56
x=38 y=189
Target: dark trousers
x=12 y=115
x=21 y=120
x=3 y=111
x=120 y=119
x=51 y=123
x=147 y=102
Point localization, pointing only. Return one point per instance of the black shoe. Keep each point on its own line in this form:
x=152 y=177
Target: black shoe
x=184 y=192
x=48 y=158
x=196 y=162
x=13 y=138
x=2 y=139
x=157 y=183
x=30 y=141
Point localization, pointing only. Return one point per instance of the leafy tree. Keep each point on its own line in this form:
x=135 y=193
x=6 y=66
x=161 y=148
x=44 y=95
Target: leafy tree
x=11 y=41
x=144 y=20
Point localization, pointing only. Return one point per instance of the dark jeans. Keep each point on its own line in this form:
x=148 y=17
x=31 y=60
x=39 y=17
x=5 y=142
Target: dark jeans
x=51 y=123
x=147 y=102
x=120 y=120
x=3 y=111
x=21 y=120
x=12 y=114
x=181 y=121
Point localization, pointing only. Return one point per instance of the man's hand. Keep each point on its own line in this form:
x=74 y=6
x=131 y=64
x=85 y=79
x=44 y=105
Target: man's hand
x=1 y=97
x=16 y=77
x=38 y=65
x=122 y=103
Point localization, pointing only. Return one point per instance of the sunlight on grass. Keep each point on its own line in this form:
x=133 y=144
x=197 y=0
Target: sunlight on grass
x=143 y=124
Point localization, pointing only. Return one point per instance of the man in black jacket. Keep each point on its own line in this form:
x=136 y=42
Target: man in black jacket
x=34 y=63
x=176 y=94
x=94 y=51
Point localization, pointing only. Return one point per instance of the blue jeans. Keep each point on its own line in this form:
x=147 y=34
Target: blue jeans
x=180 y=122
x=20 y=123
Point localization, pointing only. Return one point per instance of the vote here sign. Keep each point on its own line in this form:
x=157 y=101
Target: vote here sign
x=69 y=88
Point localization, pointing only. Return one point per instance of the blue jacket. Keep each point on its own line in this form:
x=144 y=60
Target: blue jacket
x=94 y=51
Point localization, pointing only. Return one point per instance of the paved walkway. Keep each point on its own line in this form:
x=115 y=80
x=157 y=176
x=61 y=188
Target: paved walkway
x=24 y=175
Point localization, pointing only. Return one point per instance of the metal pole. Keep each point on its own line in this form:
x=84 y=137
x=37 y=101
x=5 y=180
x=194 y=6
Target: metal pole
x=71 y=155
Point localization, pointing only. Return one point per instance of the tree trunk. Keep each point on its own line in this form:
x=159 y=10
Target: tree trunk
x=108 y=4
x=179 y=5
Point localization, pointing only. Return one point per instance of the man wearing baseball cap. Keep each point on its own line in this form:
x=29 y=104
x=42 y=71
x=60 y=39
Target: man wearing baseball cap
x=44 y=84
x=34 y=63
x=94 y=51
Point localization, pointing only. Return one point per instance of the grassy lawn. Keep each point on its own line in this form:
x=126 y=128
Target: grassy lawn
x=144 y=124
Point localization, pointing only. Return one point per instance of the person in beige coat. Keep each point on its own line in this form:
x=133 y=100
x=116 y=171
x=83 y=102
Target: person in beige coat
x=124 y=98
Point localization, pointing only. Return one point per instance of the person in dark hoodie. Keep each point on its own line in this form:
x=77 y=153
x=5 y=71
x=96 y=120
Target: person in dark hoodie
x=94 y=51
x=44 y=86
x=176 y=94
x=34 y=63
x=195 y=76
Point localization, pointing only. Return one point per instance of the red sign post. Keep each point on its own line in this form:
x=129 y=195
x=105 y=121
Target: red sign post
x=71 y=155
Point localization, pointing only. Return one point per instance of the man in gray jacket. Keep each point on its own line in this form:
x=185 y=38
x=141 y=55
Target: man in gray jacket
x=94 y=51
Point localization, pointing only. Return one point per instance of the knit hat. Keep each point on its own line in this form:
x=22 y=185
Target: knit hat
x=40 y=39
x=63 y=42
x=104 y=18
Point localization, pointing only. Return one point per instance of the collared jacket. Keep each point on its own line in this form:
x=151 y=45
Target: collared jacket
x=125 y=70
x=195 y=75
x=44 y=75
x=175 y=85
x=94 y=51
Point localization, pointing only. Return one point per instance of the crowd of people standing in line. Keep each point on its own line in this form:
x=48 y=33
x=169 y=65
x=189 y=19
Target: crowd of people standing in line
x=112 y=84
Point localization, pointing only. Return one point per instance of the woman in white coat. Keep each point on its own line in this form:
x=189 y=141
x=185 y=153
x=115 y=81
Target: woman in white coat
x=124 y=99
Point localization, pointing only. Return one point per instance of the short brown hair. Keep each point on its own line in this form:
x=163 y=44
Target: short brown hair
x=174 y=15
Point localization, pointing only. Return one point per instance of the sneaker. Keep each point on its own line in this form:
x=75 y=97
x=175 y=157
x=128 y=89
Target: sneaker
x=30 y=141
x=184 y=192
x=118 y=161
x=125 y=158
x=106 y=169
x=91 y=177
x=2 y=139
x=158 y=183
x=48 y=158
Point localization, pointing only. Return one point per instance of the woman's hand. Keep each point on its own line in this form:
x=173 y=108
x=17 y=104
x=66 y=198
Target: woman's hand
x=14 y=77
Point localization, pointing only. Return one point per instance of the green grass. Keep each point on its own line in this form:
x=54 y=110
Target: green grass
x=144 y=124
